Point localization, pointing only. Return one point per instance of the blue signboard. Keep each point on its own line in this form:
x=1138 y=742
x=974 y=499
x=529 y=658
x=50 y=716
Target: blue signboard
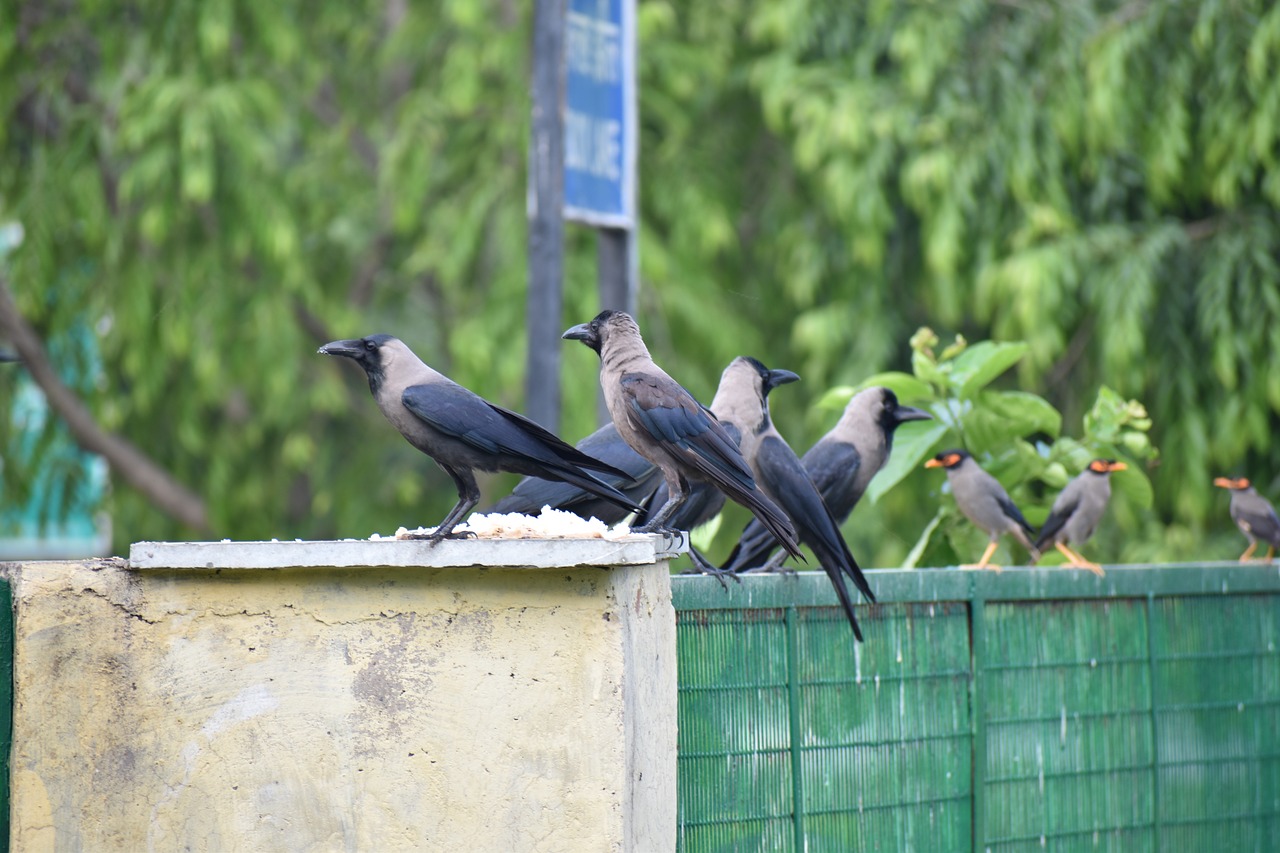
x=599 y=122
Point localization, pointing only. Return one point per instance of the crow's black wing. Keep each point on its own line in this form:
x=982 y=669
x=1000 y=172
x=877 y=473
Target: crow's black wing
x=509 y=441
x=787 y=481
x=685 y=429
x=533 y=493
x=833 y=466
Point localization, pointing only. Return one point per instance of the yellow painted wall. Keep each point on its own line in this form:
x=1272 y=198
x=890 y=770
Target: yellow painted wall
x=343 y=709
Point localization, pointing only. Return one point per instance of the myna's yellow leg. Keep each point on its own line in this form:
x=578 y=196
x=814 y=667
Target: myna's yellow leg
x=1248 y=552
x=1271 y=552
x=1074 y=560
x=986 y=556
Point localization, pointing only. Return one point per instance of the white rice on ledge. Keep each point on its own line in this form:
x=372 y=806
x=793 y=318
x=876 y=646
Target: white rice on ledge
x=549 y=524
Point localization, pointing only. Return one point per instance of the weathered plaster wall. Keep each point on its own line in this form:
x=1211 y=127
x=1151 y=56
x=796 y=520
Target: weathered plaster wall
x=343 y=709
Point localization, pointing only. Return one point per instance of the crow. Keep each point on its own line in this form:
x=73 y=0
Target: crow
x=841 y=465
x=743 y=401
x=663 y=422
x=462 y=431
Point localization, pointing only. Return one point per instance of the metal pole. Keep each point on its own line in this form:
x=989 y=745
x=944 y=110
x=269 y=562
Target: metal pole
x=544 y=315
x=617 y=268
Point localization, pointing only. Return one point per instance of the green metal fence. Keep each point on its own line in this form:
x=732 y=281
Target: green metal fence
x=1027 y=710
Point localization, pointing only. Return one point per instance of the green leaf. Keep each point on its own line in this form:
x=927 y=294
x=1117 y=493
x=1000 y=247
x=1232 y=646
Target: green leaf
x=837 y=397
x=927 y=370
x=1070 y=454
x=701 y=537
x=918 y=549
x=1000 y=417
x=1017 y=464
x=906 y=386
x=1134 y=486
x=912 y=444
x=954 y=349
x=1031 y=412
x=979 y=365
x=1055 y=475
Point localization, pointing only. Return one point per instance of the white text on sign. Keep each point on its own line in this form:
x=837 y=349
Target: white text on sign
x=593 y=49
x=593 y=145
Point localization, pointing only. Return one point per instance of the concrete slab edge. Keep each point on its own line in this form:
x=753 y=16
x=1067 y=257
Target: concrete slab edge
x=636 y=549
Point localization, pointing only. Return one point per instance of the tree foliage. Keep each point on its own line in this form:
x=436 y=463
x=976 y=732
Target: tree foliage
x=1015 y=435
x=218 y=186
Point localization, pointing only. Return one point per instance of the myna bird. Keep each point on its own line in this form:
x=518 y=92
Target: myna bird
x=462 y=431
x=841 y=465
x=742 y=400
x=532 y=493
x=1077 y=511
x=984 y=502
x=1252 y=513
x=665 y=424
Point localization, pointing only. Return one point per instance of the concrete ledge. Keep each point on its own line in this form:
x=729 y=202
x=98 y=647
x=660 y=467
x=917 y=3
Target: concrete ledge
x=635 y=550
x=379 y=707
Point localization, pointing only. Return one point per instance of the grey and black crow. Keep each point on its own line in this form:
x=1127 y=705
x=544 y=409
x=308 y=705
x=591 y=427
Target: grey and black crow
x=532 y=493
x=1253 y=514
x=743 y=401
x=703 y=503
x=984 y=502
x=462 y=431
x=1077 y=511
x=841 y=465
x=666 y=425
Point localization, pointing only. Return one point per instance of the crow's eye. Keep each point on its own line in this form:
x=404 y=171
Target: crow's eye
x=370 y=346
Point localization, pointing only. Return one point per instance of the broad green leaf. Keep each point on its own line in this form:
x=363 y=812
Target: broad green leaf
x=907 y=387
x=1016 y=464
x=701 y=537
x=976 y=367
x=918 y=549
x=912 y=444
x=1136 y=444
x=836 y=398
x=1133 y=485
x=1032 y=413
x=998 y=418
x=1055 y=475
x=1071 y=455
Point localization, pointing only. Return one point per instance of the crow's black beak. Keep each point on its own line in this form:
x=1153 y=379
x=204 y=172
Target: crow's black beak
x=580 y=332
x=780 y=377
x=902 y=414
x=346 y=349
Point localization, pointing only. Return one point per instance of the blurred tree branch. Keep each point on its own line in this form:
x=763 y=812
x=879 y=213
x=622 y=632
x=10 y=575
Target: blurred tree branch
x=125 y=459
